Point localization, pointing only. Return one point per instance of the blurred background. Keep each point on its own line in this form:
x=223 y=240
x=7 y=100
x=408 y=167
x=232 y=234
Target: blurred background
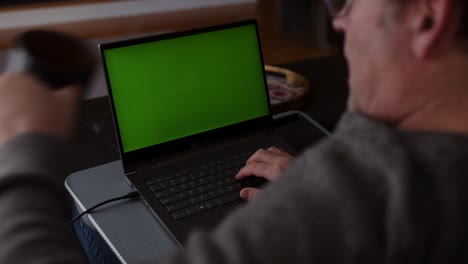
x=291 y=30
x=295 y=35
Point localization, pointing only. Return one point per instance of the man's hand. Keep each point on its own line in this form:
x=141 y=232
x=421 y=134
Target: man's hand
x=268 y=164
x=27 y=105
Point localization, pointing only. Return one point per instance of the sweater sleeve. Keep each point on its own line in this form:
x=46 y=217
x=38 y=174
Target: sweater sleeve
x=33 y=207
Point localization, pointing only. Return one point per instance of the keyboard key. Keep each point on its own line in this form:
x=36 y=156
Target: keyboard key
x=211 y=178
x=214 y=193
x=194 y=183
x=184 y=179
x=193 y=192
x=185 y=186
x=203 y=180
x=203 y=189
x=175 y=189
x=154 y=188
x=223 y=190
x=211 y=204
x=202 y=207
x=191 y=210
x=221 y=183
x=178 y=205
x=242 y=184
x=204 y=196
x=162 y=193
x=184 y=195
x=233 y=187
x=230 y=197
x=195 y=200
x=179 y=214
x=170 y=199
x=175 y=182
x=212 y=186
x=230 y=180
x=165 y=184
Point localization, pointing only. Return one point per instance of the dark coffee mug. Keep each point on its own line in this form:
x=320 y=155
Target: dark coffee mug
x=56 y=58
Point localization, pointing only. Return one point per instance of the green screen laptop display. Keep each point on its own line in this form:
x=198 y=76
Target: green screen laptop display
x=169 y=89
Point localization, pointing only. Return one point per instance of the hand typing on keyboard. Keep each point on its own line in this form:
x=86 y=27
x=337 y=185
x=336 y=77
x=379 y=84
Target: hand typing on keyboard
x=194 y=190
x=268 y=164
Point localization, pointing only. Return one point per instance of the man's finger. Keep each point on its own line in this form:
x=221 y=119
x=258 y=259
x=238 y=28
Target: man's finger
x=265 y=156
x=248 y=193
x=259 y=169
x=275 y=150
x=280 y=152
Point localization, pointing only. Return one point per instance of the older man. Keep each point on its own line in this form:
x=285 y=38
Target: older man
x=388 y=187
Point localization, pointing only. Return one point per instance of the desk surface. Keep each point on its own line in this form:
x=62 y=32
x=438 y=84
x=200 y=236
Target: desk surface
x=130 y=229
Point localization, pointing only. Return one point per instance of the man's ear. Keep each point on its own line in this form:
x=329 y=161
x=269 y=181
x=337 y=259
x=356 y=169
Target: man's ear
x=430 y=21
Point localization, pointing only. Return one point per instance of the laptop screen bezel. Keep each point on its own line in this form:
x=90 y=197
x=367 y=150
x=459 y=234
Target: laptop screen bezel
x=132 y=159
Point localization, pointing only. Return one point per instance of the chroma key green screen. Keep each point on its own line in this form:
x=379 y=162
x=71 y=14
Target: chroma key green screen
x=173 y=88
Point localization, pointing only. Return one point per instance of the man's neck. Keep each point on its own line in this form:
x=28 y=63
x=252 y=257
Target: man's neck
x=446 y=108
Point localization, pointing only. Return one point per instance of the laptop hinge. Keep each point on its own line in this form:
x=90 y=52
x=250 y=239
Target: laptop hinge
x=204 y=151
x=138 y=168
x=179 y=157
x=130 y=173
x=151 y=165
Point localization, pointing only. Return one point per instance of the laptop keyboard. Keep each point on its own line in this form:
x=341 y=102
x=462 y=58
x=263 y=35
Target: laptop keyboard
x=193 y=191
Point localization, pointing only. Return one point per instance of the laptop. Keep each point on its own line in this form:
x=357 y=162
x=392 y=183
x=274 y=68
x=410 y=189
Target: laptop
x=189 y=109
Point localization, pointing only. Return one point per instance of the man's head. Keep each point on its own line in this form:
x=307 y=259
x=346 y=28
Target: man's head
x=395 y=48
x=460 y=13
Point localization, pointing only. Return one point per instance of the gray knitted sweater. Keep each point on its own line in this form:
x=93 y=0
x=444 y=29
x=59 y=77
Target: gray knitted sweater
x=367 y=194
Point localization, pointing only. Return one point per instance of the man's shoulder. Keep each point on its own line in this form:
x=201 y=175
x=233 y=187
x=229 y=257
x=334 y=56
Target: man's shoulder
x=370 y=152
